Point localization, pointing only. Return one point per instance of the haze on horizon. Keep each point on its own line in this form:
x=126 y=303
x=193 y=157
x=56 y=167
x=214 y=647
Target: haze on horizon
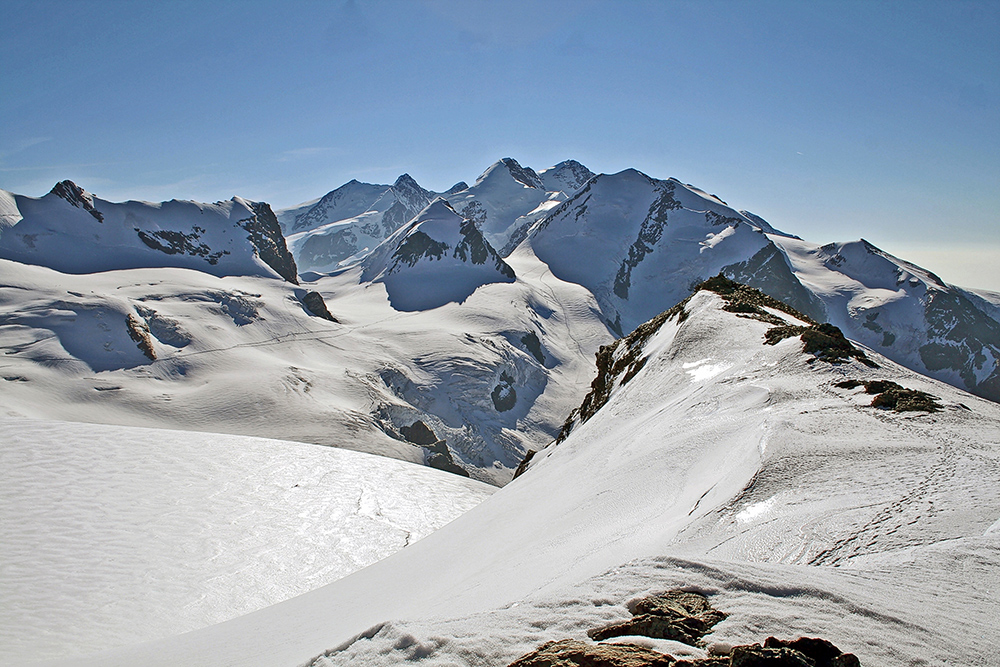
x=833 y=121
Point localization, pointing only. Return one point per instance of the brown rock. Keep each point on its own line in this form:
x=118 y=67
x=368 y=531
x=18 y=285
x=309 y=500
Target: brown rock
x=755 y=655
x=677 y=615
x=572 y=653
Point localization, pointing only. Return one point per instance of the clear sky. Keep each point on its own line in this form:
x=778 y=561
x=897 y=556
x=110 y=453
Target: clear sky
x=832 y=120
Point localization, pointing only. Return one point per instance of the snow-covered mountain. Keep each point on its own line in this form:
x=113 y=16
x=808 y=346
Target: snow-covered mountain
x=351 y=220
x=905 y=312
x=437 y=258
x=568 y=176
x=508 y=197
x=736 y=450
x=72 y=231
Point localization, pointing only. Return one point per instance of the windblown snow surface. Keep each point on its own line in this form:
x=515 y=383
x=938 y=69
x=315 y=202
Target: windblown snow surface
x=112 y=535
x=721 y=465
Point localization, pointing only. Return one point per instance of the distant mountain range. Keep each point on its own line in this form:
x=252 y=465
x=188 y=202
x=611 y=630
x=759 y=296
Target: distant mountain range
x=476 y=311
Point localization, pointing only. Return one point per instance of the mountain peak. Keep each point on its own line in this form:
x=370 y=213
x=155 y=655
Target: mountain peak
x=405 y=181
x=77 y=196
x=568 y=176
x=439 y=257
x=525 y=175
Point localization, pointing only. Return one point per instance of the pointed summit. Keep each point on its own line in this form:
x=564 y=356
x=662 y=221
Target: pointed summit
x=568 y=176
x=505 y=198
x=77 y=196
x=437 y=258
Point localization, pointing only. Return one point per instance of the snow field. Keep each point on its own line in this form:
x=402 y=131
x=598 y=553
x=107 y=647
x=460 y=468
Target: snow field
x=112 y=535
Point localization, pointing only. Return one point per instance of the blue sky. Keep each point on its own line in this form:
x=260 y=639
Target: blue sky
x=833 y=121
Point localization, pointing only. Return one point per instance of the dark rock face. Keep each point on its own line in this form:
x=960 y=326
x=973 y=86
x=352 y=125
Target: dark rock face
x=756 y=656
x=572 y=653
x=802 y=652
x=78 y=197
x=533 y=345
x=268 y=241
x=178 y=243
x=523 y=465
x=314 y=303
x=504 y=396
x=768 y=271
x=677 y=615
x=649 y=235
x=444 y=461
x=825 y=341
x=418 y=433
x=438 y=455
x=960 y=337
x=416 y=246
x=820 y=651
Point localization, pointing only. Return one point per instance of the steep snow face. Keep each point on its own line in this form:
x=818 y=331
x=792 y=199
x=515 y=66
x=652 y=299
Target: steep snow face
x=438 y=258
x=721 y=464
x=329 y=241
x=640 y=244
x=111 y=535
x=568 y=176
x=903 y=311
x=504 y=199
x=72 y=231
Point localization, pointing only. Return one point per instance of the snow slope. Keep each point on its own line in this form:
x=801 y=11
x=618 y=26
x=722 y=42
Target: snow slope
x=72 y=231
x=719 y=464
x=112 y=535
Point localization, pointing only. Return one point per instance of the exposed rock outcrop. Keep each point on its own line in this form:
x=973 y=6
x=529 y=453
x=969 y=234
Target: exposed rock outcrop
x=437 y=453
x=266 y=237
x=314 y=303
x=572 y=653
x=138 y=331
x=677 y=615
x=893 y=396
